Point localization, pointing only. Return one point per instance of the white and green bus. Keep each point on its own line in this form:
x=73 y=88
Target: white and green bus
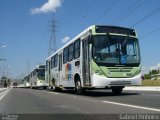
x=26 y=82
x=101 y=57
x=37 y=77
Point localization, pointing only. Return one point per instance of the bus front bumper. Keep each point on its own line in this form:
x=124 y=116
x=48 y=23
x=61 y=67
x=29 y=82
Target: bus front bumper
x=103 y=82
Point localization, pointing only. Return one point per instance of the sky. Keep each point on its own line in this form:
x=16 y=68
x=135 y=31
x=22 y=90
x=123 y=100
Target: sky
x=25 y=28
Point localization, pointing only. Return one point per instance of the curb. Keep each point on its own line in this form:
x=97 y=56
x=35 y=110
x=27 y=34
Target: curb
x=148 y=88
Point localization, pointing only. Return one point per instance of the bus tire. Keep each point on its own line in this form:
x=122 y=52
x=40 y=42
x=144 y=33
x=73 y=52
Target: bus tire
x=78 y=87
x=44 y=87
x=57 y=89
x=117 y=90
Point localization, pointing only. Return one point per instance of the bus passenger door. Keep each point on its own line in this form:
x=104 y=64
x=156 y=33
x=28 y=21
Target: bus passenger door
x=86 y=64
x=49 y=73
x=60 y=68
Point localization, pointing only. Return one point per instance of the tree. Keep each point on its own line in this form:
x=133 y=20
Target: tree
x=154 y=72
x=147 y=76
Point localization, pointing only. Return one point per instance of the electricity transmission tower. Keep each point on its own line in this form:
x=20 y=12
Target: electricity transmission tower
x=52 y=42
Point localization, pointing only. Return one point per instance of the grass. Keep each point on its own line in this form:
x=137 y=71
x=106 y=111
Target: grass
x=151 y=83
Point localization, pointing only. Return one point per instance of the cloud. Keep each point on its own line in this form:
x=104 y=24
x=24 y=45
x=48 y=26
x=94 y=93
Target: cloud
x=65 y=39
x=49 y=6
x=3 y=46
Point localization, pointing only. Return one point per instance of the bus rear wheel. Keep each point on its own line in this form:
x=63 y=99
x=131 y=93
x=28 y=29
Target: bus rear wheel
x=57 y=89
x=117 y=90
x=78 y=87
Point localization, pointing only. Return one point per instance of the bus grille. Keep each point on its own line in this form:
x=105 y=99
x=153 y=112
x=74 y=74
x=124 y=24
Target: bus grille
x=120 y=69
x=120 y=83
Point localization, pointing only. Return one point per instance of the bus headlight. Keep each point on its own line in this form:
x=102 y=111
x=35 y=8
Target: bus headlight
x=40 y=81
x=100 y=73
x=97 y=71
x=109 y=74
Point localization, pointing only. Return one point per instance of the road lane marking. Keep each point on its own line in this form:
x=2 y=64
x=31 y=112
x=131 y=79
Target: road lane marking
x=151 y=95
x=2 y=89
x=133 y=106
x=4 y=93
x=54 y=93
x=43 y=91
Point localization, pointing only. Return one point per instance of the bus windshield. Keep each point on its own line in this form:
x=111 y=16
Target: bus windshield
x=109 y=50
x=41 y=74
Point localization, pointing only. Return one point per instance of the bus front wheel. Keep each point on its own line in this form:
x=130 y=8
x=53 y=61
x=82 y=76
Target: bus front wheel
x=117 y=90
x=57 y=89
x=78 y=87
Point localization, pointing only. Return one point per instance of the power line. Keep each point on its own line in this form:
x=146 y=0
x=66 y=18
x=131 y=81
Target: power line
x=81 y=13
x=145 y=17
x=70 y=16
x=107 y=10
x=150 y=33
x=88 y=7
x=128 y=11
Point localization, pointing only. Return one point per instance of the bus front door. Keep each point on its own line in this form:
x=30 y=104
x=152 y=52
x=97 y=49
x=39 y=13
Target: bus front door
x=49 y=73
x=86 y=64
x=60 y=68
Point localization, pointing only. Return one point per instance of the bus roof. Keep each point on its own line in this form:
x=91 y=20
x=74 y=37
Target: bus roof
x=75 y=38
x=38 y=67
x=104 y=29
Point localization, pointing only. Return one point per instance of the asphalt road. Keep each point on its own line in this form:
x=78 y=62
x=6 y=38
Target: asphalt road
x=2 y=89
x=29 y=101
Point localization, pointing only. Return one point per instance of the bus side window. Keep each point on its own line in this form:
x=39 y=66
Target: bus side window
x=55 y=60
x=77 y=49
x=52 y=62
x=65 y=55
x=70 y=53
x=46 y=65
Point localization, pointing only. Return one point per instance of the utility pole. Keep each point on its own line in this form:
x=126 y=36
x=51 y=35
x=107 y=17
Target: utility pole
x=4 y=71
x=3 y=67
x=52 y=42
x=2 y=59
